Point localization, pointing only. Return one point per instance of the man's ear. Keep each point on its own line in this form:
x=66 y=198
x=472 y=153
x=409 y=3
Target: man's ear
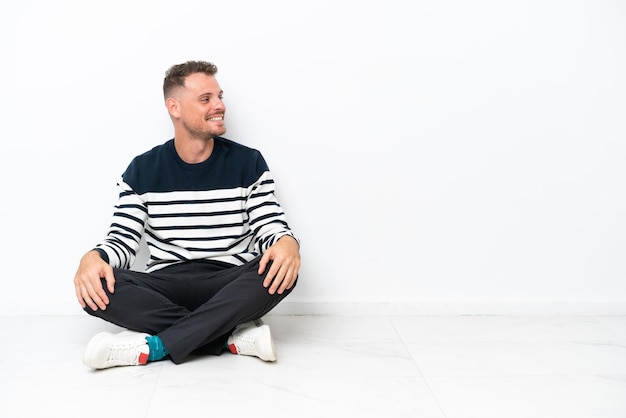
x=172 y=107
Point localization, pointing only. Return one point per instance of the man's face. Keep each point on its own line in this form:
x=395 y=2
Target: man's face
x=201 y=107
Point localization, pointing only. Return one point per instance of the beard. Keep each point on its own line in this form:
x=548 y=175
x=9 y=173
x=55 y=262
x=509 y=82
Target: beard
x=203 y=132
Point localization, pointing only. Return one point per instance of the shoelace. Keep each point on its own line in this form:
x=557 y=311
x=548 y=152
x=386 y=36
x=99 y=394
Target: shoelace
x=127 y=355
x=244 y=342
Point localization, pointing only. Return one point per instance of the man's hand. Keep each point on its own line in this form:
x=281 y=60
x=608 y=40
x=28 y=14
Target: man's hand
x=285 y=257
x=88 y=284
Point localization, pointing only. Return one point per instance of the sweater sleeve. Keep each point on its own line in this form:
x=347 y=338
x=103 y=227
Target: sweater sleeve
x=121 y=244
x=267 y=219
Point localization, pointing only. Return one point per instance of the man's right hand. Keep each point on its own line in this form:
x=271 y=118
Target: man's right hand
x=88 y=281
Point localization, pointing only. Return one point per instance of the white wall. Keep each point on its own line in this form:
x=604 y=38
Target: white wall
x=431 y=155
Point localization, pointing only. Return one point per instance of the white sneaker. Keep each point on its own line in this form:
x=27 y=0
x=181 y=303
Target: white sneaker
x=253 y=339
x=128 y=348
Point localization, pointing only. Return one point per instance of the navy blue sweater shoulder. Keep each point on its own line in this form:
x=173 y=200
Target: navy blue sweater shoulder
x=230 y=165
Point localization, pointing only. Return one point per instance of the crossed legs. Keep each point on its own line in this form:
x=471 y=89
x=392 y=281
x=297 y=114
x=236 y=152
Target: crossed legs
x=191 y=306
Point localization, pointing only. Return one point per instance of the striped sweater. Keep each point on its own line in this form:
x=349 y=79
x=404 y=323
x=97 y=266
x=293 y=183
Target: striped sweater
x=222 y=209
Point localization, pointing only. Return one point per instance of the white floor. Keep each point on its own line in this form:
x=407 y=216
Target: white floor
x=410 y=366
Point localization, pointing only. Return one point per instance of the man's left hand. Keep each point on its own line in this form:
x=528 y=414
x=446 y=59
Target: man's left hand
x=285 y=258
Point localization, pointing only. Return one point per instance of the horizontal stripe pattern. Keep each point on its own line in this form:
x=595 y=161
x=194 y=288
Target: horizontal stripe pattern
x=232 y=224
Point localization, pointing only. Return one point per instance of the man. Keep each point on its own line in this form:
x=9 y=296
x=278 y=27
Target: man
x=221 y=252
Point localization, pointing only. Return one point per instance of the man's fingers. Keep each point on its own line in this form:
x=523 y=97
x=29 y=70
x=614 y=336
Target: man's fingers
x=110 y=280
x=87 y=300
x=93 y=296
x=79 y=296
x=99 y=296
x=270 y=277
x=281 y=280
x=287 y=283
x=263 y=263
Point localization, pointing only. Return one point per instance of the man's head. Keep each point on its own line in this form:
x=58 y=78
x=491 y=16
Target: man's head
x=193 y=99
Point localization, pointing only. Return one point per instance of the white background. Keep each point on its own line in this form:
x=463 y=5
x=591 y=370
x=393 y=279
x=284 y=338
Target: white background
x=430 y=155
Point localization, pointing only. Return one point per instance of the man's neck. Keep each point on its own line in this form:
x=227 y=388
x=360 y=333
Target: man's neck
x=193 y=150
